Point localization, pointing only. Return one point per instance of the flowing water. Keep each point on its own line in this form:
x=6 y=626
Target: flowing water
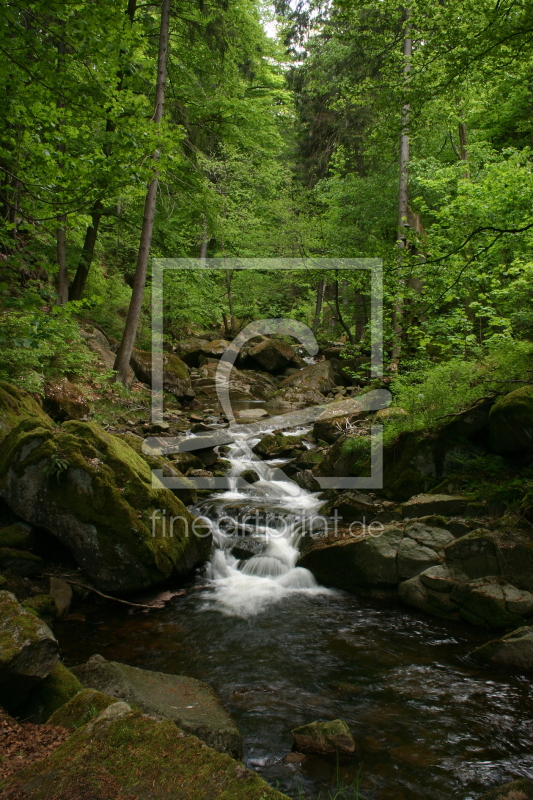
x=282 y=650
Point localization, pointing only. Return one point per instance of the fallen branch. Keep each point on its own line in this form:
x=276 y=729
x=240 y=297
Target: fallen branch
x=106 y=596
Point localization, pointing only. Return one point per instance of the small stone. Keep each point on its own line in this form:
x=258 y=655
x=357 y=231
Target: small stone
x=159 y=427
x=325 y=738
x=62 y=594
x=294 y=758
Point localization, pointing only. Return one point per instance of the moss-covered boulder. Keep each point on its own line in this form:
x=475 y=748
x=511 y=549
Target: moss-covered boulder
x=94 y=493
x=41 y=605
x=332 y=738
x=81 y=708
x=28 y=651
x=328 y=428
x=19 y=535
x=353 y=560
x=349 y=456
x=49 y=695
x=191 y=704
x=476 y=554
x=123 y=754
x=272 y=355
x=318 y=377
x=63 y=400
x=513 y=650
x=20 y=562
x=15 y=405
x=176 y=377
x=277 y=445
x=511 y=422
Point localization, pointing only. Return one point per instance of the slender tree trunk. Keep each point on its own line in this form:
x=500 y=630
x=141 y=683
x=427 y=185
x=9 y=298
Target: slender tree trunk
x=403 y=194
x=203 y=245
x=122 y=360
x=13 y=210
x=61 y=233
x=91 y=235
x=86 y=257
x=463 y=149
x=318 y=308
x=360 y=316
x=230 y=303
x=339 y=315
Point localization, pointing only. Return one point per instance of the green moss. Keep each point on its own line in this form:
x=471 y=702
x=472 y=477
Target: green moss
x=80 y=709
x=16 y=625
x=20 y=562
x=133 y=756
x=511 y=422
x=17 y=535
x=49 y=695
x=15 y=404
x=108 y=486
x=42 y=605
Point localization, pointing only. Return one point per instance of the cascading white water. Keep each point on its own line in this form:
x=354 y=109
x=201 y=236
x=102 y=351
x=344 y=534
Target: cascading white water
x=268 y=514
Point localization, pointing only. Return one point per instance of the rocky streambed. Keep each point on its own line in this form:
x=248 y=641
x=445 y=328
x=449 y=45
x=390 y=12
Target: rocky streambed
x=405 y=643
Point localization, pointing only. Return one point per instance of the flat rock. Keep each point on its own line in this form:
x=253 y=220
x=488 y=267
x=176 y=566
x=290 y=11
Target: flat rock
x=191 y=704
x=442 y=578
x=423 y=504
x=28 y=651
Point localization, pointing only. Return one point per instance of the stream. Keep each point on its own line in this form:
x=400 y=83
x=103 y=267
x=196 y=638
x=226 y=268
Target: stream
x=282 y=651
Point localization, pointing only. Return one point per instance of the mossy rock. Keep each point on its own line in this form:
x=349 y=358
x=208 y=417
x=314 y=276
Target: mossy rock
x=80 y=709
x=276 y=445
x=511 y=422
x=95 y=494
x=18 y=535
x=63 y=400
x=123 y=754
x=49 y=695
x=41 y=605
x=20 y=562
x=15 y=405
x=28 y=651
x=176 y=379
x=349 y=456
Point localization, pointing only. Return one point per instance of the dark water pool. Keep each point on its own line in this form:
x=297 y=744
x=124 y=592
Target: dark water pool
x=431 y=724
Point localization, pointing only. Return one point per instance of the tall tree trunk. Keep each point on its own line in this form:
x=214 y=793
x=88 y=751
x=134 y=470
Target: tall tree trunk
x=91 y=235
x=61 y=233
x=403 y=194
x=122 y=360
x=230 y=302
x=360 y=316
x=13 y=210
x=203 y=245
x=339 y=315
x=318 y=308
x=86 y=257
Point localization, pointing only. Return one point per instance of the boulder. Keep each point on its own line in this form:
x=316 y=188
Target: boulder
x=424 y=504
x=191 y=704
x=329 y=429
x=19 y=535
x=28 y=651
x=352 y=506
x=416 y=593
x=41 y=605
x=442 y=578
x=20 y=562
x=428 y=535
x=483 y=602
x=215 y=349
x=189 y=350
x=414 y=558
x=244 y=384
x=176 y=378
x=351 y=560
x=63 y=400
x=272 y=355
x=123 y=753
x=295 y=397
x=81 y=708
x=521 y=789
x=513 y=650
x=16 y=405
x=316 y=377
x=325 y=738
x=277 y=445
x=475 y=554
x=95 y=494
x=49 y=695
x=61 y=593
x=350 y=455
x=511 y=422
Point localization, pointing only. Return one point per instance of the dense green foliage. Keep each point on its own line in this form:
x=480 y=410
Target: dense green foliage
x=283 y=147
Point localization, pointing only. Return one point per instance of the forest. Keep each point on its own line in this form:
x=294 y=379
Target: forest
x=309 y=172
